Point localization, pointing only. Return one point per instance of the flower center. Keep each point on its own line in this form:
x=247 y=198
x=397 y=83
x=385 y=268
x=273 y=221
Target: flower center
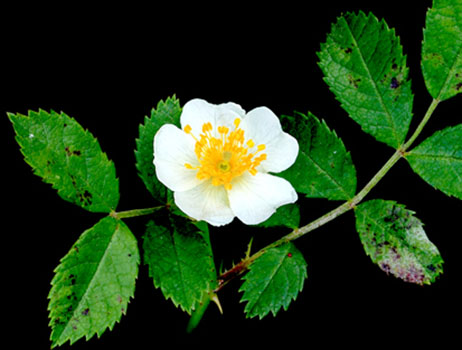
x=225 y=157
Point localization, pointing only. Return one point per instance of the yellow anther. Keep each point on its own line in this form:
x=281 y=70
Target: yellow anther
x=223 y=158
x=206 y=127
x=223 y=130
x=250 y=143
x=261 y=147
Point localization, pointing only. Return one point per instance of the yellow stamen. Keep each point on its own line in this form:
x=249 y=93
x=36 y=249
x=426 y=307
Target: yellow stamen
x=226 y=157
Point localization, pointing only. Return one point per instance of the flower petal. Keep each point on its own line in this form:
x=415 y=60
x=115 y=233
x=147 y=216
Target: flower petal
x=254 y=199
x=173 y=148
x=197 y=112
x=281 y=153
x=263 y=127
x=206 y=202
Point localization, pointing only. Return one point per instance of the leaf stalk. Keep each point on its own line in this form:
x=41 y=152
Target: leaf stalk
x=135 y=212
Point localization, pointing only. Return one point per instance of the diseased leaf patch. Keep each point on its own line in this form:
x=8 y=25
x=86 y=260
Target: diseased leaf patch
x=94 y=282
x=69 y=158
x=396 y=242
x=365 y=68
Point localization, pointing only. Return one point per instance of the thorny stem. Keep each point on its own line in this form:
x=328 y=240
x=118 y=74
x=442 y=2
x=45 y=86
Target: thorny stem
x=347 y=206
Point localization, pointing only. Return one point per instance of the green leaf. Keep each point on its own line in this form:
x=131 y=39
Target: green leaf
x=273 y=281
x=69 y=158
x=287 y=215
x=365 y=68
x=94 y=282
x=180 y=260
x=396 y=242
x=438 y=160
x=442 y=49
x=323 y=168
x=167 y=112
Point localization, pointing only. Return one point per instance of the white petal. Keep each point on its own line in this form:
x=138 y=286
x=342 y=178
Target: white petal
x=254 y=199
x=236 y=109
x=206 y=202
x=263 y=127
x=197 y=112
x=173 y=148
x=281 y=153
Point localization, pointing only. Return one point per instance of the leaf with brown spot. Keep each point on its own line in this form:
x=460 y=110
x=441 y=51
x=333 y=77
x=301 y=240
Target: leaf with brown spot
x=396 y=241
x=69 y=158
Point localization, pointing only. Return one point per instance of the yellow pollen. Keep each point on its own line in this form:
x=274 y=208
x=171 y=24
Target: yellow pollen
x=225 y=155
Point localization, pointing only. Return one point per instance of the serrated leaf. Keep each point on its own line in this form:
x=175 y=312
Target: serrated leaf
x=323 y=168
x=396 y=241
x=287 y=215
x=365 y=68
x=167 y=112
x=438 y=160
x=442 y=49
x=180 y=260
x=274 y=280
x=69 y=158
x=94 y=282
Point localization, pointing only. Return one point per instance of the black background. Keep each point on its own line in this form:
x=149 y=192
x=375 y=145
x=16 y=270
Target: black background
x=108 y=67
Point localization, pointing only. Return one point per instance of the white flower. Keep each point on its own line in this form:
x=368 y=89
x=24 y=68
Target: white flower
x=218 y=165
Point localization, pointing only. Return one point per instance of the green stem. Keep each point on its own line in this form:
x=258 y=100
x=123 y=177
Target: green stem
x=135 y=212
x=424 y=121
x=347 y=206
x=197 y=314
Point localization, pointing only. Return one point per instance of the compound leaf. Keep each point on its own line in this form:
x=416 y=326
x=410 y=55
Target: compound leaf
x=94 y=282
x=274 y=280
x=438 y=160
x=180 y=260
x=396 y=241
x=365 y=68
x=323 y=168
x=167 y=112
x=442 y=49
x=69 y=158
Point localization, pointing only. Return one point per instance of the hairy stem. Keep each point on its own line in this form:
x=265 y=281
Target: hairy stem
x=135 y=212
x=347 y=206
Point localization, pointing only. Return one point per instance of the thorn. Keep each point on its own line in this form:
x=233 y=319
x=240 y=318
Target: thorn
x=215 y=299
x=249 y=247
x=220 y=269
